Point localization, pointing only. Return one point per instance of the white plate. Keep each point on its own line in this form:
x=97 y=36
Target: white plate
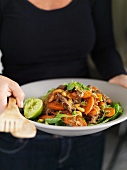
x=116 y=93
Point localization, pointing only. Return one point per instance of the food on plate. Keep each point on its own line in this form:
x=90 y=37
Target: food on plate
x=73 y=104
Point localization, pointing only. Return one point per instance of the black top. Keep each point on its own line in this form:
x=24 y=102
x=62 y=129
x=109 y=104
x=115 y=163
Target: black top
x=37 y=44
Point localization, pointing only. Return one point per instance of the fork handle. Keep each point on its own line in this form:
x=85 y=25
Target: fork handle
x=12 y=102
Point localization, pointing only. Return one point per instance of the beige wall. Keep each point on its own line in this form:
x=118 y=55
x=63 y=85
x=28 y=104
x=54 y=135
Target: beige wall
x=120 y=27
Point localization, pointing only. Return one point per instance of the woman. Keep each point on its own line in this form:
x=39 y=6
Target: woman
x=43 y=39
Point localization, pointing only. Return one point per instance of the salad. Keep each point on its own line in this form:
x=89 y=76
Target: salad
x=72 y=104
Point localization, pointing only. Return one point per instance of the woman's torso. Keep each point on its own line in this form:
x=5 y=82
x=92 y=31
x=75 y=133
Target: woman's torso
x=39 y=44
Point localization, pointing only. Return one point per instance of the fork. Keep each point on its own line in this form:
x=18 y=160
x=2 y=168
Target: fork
x=11 y=120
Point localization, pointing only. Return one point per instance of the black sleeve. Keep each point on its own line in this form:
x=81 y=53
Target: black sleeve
x=105 y=55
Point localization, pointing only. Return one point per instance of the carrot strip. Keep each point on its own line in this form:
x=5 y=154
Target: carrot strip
x=87 y=94
x=81 y=121
x=109 y=101
x=69 y=120
x=72 y=95
x=89 y=106
x=74 y=121
x=109 y=112
x=46 y=116
x=99 y=96
x=101 y=104
x=55 y=106
x=94 y=111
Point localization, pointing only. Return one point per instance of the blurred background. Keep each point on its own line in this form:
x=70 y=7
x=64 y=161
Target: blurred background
x=115 y=154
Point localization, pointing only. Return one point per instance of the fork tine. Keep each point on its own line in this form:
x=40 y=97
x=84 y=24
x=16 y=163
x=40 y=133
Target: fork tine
x=1 y=126
x=6 y=126
x=11 y=126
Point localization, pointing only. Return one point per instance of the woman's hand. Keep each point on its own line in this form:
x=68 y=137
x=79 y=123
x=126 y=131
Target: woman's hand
x=119 y=80
x=8 y=88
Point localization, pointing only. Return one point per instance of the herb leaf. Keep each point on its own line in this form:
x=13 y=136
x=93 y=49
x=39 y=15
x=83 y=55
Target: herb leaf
x=56 y=119
x=70 y=86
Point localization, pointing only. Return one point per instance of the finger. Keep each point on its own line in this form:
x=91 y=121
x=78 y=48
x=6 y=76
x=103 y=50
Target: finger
x=3 y=102
x=17 y=92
